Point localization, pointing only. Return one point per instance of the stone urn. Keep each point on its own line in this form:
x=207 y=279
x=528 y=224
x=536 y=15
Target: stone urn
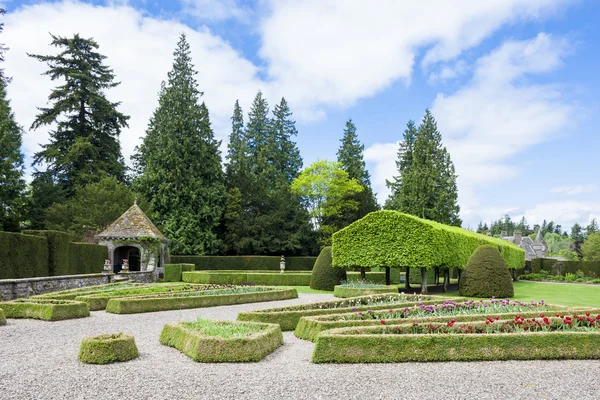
x=107 y=267
x=125 y=267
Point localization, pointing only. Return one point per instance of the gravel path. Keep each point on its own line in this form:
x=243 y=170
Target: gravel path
x=38 y=360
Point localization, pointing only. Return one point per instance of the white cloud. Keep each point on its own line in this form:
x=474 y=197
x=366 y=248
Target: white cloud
x=565 y=213
x=449 y=71
x=575 y=189
x=329 y=52
x=498 y=115
x=139 y=49
x=215 y=10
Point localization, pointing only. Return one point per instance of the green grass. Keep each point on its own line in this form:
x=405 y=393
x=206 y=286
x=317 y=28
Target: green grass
x=566 y=294
x=222 y=329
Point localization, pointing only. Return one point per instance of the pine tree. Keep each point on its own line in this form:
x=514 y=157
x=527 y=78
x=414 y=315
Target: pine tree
x=286 y=156
x=351 y=158
x=181 y=162
x=426 y=185
x=12 y=185
x=236 y=169
x=84 y=147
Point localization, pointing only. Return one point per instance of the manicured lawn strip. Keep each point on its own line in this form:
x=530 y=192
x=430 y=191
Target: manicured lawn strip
x=2 y=318
x=98 y=301
x=45 y=309
x=370 y=344
x=288 y=317
x=71 y=294
x=103 y=349
x=177 y=301
x=309 y=328
x=345 y=292
x=222 y=341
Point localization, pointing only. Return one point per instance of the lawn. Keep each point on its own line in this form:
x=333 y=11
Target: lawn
x=567 y=294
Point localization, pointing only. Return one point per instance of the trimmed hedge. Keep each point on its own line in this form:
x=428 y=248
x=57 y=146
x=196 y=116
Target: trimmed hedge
x=258 y=278
x=486 y=275
x=22 y=256
x=141 y=304
x=324 y=276
x=103 y=349
x=393 y=239
x=173 y=271
x=371 y=344
x=309 y=328
x=58 y=250
x=98 y=301
x=45 y=309
x=589 y=268
x=2 y=318
x=86 y=258
x=245 y=263
x=345 y=292
x=288 y=317
x=71 y=294
x=200 y=347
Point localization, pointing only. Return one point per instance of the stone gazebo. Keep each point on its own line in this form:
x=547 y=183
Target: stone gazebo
x=133 y=237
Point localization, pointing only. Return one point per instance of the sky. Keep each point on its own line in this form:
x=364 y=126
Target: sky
x=512 y=83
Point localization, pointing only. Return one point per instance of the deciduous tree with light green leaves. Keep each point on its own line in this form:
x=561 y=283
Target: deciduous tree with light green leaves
x=326 y=191
x=180 y=163
x=591 y=247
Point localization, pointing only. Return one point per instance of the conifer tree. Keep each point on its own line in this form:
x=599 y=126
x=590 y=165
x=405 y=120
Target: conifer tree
x=403 y=163
x=236 y=169
x=351 y=158
x=180 y=163
x=84 y=147
x=285 y=153
x=12 y=185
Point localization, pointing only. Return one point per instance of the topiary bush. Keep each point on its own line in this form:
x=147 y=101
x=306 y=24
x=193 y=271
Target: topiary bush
x=324 y=276
x=103 y=349
x=486 y=275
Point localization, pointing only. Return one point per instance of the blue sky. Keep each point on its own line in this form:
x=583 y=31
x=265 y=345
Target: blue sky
x=512 y=83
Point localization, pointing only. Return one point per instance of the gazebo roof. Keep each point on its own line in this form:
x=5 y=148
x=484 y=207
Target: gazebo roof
x=132 y=224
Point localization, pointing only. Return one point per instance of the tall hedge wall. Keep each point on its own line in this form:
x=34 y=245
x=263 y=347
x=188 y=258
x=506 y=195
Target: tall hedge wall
x=393 y=239
x=22 y=256
x=245 y=263
x=589 y=268
x=47 y=253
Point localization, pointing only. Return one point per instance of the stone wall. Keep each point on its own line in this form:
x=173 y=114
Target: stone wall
x=141 y=276
x=17 y=288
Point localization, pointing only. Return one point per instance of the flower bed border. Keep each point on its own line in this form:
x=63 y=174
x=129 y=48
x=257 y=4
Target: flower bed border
x=201 y=348
x=288 y=317
x=345 y=292
x=71 y=294
x=359 y=345
x=141 y=304
x=310 y=327
x=45 y=309
x=107 y=348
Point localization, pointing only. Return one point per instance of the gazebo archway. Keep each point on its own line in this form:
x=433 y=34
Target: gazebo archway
x=131 y=253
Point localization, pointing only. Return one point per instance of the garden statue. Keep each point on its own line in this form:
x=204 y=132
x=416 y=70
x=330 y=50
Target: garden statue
x=282 y=264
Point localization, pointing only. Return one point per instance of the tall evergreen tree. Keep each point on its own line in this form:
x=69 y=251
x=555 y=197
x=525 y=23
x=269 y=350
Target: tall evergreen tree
x=351 y=158
x=398 y=199
x=236 y=169
x=428 y=186
x=180 y=160
x=286 y=156
x=84 y=147
x=12 y=185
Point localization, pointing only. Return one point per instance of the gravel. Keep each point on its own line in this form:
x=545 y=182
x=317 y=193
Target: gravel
x=38 y=360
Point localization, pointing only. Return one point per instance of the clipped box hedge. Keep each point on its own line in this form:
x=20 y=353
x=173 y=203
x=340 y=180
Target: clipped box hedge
x=209 y=348
x=309 y=328
x=58 y=250
x=393 y=239
x=345 y=292
x=86 y=258
x=589 y=268
x=235 y=263
x=173 y=271
x=288 y=317
x=71 y=294
x=2 y=318
x=107 y=348
x=178 y=301
x=373 y=345
x=23 y=256
x=258 y=278
x=46 y=310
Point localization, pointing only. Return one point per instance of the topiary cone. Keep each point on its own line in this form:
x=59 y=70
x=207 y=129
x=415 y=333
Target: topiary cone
x=486 y=275
x=324 y=276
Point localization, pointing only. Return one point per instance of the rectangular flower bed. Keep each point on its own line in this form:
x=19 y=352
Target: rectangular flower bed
x=344 y=292
x=561 y=337
x=71 y=294
x=288 y=317
x=222 y=341
x=271 y=278
x=2 y=318
x=45 y=309
x=309 y=327
x=212 y=298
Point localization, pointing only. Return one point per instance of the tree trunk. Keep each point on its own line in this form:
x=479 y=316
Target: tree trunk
x=446 y=280
x=407 y=278
x=459 y=275
x=363 y=274
x=436 y=274
x=514 y=275
x=387 y=276
x=423 y=280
